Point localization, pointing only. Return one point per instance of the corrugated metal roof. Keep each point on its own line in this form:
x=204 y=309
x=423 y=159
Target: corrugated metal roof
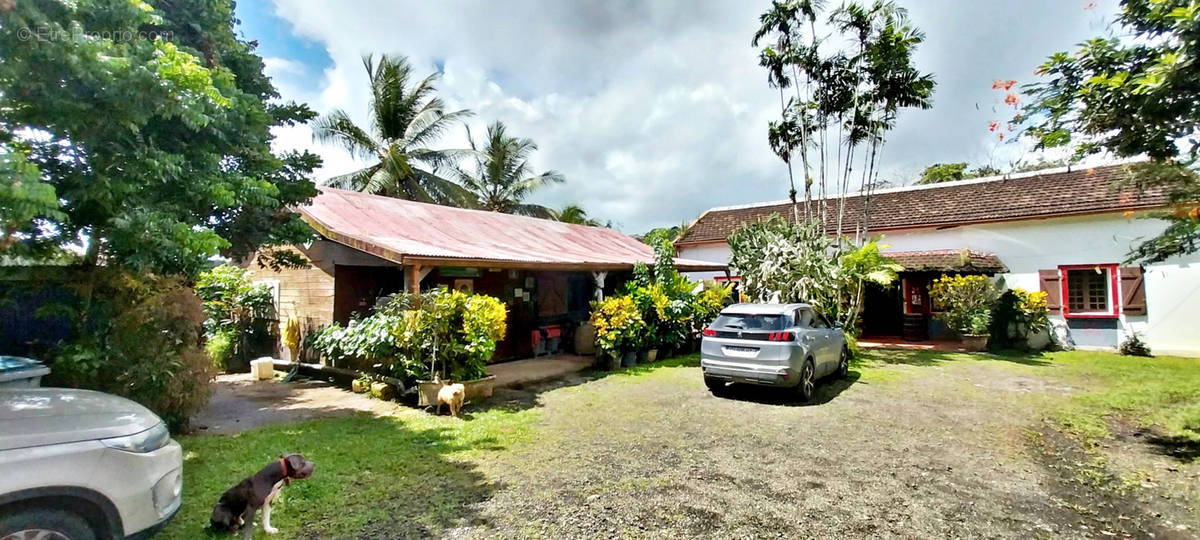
x=408 y=232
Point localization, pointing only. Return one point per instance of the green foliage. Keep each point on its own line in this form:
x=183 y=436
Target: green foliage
x=575 y=214
x=402 y=338
x=943 y=172
x=1130 y=94
x=619 y=324
x=220 y=347
x=795 y=262
x=406 y=118
x=26 y=203
x=967 y=300
x=238 y=308
x=1134 y=346
x=1016 y=315
x=159 y=148
x=139 y=337
x=503 y=177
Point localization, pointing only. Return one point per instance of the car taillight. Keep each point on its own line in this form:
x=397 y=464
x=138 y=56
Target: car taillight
x=710 y=332
x=780 y=336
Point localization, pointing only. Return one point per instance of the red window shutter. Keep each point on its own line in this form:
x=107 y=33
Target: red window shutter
x=1052 y=285
x=1133 y=291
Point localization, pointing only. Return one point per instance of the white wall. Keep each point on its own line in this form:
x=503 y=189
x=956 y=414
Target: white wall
x=1172 y=320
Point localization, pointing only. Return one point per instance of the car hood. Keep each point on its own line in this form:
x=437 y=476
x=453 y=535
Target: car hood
x=42 y=416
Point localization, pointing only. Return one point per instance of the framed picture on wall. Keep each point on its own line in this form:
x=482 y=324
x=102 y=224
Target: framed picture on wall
x=465 y=285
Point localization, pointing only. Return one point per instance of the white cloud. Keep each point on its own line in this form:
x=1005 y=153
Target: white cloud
x=656 y=111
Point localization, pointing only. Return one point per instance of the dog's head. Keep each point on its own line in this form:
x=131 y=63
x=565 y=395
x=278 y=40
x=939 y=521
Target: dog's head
x=223 y=519
x=297 y=466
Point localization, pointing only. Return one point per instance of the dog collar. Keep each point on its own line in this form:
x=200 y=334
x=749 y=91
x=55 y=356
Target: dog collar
x=287 y=478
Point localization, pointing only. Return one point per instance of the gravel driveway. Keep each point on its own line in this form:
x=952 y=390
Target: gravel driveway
x=958 y=450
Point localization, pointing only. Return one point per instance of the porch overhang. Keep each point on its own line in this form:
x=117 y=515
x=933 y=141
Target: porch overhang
x=948 y=261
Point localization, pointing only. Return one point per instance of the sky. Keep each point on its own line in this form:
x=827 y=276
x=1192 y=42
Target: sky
x=655 y=111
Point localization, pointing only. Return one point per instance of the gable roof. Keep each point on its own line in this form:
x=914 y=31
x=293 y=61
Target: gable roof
x=1041 y=194
x=408 y=232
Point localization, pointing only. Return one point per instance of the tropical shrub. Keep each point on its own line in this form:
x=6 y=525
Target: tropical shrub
x=1017 y=315
x=1134 y=346
x=619 y=325
x=967 y=300
x=484 y=324
x=136 y=336
x=240 y=309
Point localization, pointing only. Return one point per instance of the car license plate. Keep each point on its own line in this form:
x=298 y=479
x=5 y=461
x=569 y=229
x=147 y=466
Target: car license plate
x=740 y=352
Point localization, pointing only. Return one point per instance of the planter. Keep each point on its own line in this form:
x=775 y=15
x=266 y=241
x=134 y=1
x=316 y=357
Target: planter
x=383 y=390
x=427 y=391
x=975 y=342
x=609 y=360
x=652 y=355
x=585 y=339
x=629 y=359
x=360 y=386
x=643 y=357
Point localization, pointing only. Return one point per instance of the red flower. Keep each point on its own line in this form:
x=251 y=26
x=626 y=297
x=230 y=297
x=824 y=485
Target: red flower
x=1000 y=136
x=1089 y=6
x=1011 y=99
x=1009 y=84
x=997 y=84
x=993 y=126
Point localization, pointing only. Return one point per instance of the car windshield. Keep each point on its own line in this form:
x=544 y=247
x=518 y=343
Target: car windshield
x=742 y=321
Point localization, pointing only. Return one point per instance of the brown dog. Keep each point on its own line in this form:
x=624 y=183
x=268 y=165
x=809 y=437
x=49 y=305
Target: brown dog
x=452 y=395
x=238 y=504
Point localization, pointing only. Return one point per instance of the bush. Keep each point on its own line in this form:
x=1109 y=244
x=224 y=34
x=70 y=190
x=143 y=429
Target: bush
x=967 y=301
x=1017 y=315
x=139 y=337
x=241 y=310
x=220 y=348
x=1134 y=346
x=619 y=325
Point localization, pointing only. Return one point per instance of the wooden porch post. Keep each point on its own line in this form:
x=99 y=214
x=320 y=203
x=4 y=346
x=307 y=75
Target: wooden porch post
x=414 y=282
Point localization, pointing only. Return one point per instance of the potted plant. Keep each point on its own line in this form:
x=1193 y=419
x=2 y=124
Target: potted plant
x=619 y=329
x=458 y=333
x=967 y=302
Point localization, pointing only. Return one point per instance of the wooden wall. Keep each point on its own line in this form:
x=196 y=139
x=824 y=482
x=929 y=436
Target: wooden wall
x=308 y=293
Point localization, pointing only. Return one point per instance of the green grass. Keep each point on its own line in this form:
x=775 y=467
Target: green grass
x=414 y=470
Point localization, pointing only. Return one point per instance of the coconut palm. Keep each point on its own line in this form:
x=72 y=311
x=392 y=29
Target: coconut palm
x=406 y=119
x=502 y=177
x=575 y=214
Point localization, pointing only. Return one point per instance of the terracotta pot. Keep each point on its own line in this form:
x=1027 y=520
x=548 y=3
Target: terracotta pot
x=427 y=392
x=652 y=355
x=975 y=342
x=479 y=388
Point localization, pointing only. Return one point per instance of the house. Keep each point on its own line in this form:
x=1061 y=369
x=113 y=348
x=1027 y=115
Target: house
x=370 y=247
x=1063 y=231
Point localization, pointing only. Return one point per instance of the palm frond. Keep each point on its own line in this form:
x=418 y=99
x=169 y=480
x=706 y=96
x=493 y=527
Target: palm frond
x=337 y=128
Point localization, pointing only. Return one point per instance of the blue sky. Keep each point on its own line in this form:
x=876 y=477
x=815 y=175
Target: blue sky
x=654 y=111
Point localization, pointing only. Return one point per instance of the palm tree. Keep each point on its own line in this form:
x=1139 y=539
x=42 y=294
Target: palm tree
x=405 y=120
x=573 y=213
x=502 y=178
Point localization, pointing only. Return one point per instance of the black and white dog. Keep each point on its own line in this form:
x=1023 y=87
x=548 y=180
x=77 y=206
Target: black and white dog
x=238 y=504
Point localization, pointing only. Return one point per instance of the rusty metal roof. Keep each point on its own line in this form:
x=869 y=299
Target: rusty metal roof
x=408 y=232
x=948 y=260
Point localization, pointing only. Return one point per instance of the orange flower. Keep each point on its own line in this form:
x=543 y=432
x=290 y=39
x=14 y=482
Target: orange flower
x=997 y=84
x=1089 y=172
x=993 y=126
x=1011 y=99
x=1195 y=213
x=1128 y=213
x=1009 y=84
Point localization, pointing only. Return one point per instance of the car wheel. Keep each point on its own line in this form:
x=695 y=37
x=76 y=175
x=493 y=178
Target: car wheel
x=45 y=524
x=844 y=364
x=715 y=385
x=808 y=381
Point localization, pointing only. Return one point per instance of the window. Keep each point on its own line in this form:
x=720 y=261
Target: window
x=1090 y=291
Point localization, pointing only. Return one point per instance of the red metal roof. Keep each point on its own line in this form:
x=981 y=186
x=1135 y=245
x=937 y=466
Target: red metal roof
x=408 y=232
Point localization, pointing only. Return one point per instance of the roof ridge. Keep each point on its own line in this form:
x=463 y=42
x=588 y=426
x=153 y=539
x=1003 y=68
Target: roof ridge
x=940 y=185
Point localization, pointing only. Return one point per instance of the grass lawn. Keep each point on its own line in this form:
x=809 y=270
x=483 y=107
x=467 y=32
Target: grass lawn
x=899 y=448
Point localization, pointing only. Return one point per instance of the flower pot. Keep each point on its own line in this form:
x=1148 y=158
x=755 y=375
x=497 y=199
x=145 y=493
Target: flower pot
x=611 y=361
x=427 y=392
x=479 y=388
x=585 y=339
x=975 y=342
x=383 y=390
x=629 y=359
x=360 y=386
x=652 y=355
x=643 y=357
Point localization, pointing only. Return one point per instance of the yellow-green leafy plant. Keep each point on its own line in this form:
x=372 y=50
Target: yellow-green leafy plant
x=484 y=324
x=968 y=302
x=619 y=325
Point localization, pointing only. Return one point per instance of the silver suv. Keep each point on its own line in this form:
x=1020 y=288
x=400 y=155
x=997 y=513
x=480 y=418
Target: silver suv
x=782 y=345
x=82 y=465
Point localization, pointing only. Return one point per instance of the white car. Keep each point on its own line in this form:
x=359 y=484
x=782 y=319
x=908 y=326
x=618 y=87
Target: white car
x=83 y=465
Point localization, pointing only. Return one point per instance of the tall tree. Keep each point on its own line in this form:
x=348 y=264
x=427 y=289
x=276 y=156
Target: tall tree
x=575 y=214
x=142 y=131
x=406 y=119
x=1133 y=93
x=502 y=177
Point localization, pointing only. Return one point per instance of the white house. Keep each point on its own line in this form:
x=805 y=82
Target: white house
x=1062 y=231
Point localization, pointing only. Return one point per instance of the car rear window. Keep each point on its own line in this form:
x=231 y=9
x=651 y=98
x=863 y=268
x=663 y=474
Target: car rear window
x=753 y=322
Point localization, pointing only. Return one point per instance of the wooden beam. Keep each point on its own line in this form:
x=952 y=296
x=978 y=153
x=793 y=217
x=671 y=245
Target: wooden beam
x=414 y=281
